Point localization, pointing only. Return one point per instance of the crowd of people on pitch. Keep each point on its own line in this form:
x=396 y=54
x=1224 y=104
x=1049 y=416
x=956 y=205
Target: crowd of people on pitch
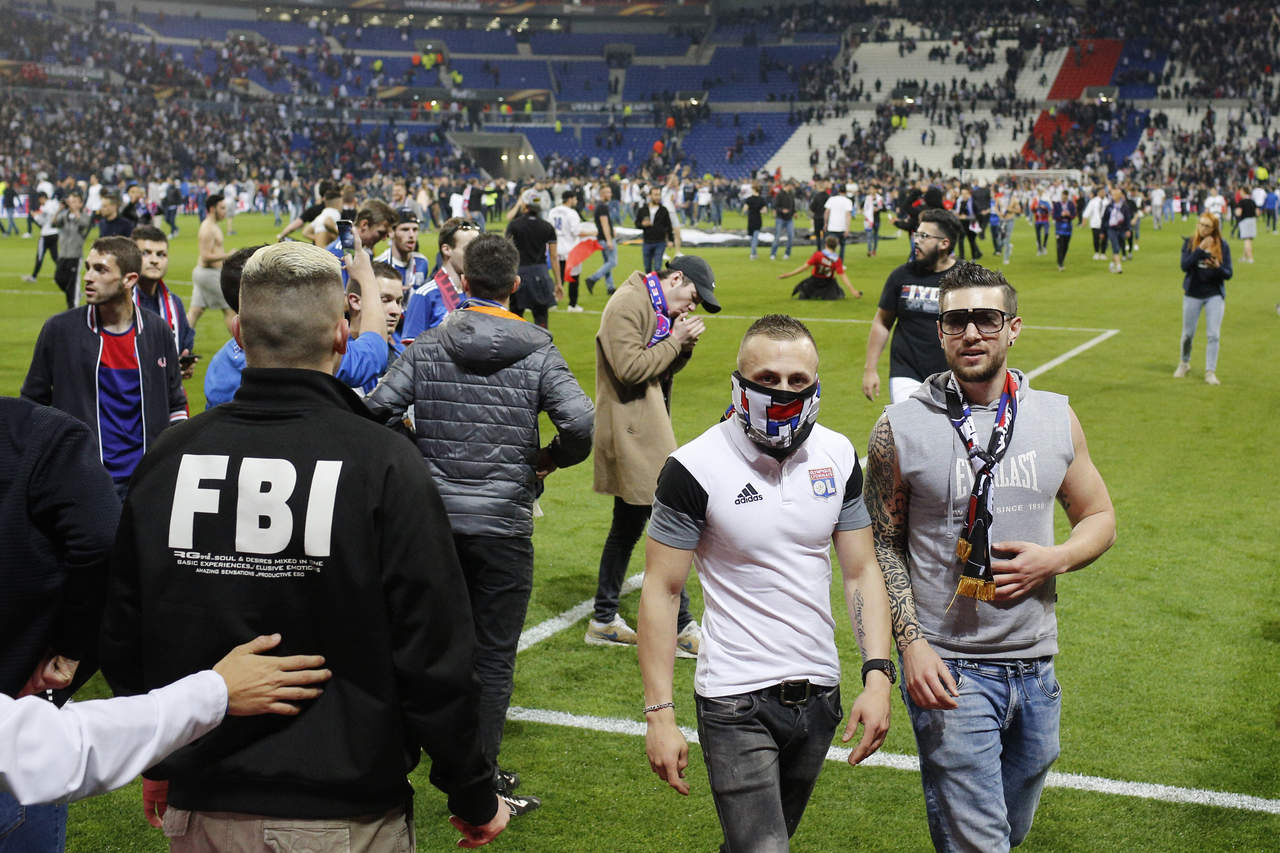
x=415 y=560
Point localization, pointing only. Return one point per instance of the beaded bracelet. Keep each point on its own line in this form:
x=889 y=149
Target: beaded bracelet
x=649 y=709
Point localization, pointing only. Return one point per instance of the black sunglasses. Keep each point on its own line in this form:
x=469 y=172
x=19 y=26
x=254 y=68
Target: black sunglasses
x=988 y=321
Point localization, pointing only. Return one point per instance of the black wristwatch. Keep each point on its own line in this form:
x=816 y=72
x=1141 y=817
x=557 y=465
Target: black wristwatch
x=884 y=665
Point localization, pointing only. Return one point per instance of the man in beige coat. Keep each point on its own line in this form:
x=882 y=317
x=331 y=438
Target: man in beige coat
x=647 y=333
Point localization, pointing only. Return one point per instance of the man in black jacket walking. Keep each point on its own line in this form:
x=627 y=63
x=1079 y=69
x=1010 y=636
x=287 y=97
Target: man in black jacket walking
x=290 y=508
x=475 y=385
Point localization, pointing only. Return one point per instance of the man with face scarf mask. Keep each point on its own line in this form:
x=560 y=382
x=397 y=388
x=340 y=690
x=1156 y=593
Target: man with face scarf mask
x=759 y=499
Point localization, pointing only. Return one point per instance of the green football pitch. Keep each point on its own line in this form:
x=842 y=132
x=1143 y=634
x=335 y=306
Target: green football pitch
x=1169 y=644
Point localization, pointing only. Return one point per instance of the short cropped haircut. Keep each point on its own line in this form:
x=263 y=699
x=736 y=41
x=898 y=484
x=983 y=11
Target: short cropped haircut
x=385 y=270
x=149 y=234
x=777 y=327
x=126 y=252
x=490 y=265
x=112 y=197
x=290 y=300
x=232 y=269
x=450 y=228
x=966 y=274
x=833 y=242
x=946 y=221
x=377 y=212
x=212 y=201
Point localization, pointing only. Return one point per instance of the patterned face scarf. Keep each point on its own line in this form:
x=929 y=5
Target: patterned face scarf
x=778 y=421
x=974 y=547
x=659 y=300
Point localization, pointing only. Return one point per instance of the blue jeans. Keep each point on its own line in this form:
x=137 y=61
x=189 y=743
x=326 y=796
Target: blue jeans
x=606 y=269
x=755 y=241
x=780 y=226
x=763 y=759
x=984 y=763
x=1213 y=307
x=32 y=829
x=1006 y=239
x=652 y=254
x=873 y=240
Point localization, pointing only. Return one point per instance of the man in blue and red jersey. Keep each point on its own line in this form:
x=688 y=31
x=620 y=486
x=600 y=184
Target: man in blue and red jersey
x=435 y=297
x=110 y=364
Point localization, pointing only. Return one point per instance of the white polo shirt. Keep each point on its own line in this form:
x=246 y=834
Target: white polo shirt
x=761 y=533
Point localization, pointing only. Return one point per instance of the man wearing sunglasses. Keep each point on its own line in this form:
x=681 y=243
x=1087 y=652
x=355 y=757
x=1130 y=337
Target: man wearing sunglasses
x=910 y=299
x=961 y=479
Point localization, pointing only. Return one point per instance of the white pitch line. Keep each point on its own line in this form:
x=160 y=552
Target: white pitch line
x=897 y=761
x=859 y=322
x=1072 y=353
x=564 y=621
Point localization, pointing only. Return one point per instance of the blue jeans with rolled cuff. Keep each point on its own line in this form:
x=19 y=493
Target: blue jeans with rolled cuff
x=763 y=752
x=983 y=764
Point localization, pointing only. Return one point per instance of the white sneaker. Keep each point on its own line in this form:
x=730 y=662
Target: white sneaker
x=689 y=641
x=1212 y=378
x=615 y=633
x=574 y=309
x=1183 y=369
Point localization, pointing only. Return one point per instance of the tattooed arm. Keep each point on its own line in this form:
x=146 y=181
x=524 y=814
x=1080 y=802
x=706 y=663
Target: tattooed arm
x=927 y=679
x=868 y=605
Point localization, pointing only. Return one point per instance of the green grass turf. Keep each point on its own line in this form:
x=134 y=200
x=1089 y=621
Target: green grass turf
x=1169 y=642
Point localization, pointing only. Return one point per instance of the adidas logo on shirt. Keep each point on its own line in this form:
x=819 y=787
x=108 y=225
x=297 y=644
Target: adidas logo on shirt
x=748 y=495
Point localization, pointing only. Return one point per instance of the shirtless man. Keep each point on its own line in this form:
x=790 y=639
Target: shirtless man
x=207 y=276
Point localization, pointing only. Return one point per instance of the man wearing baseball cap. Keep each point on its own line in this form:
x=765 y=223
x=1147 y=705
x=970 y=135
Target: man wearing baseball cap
x=647 y=333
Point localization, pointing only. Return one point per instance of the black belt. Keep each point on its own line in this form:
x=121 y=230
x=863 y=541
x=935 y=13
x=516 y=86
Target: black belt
x=795 y=692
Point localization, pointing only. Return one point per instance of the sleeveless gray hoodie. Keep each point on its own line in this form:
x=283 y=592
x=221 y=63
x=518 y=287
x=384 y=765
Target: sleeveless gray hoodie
x=937 y=470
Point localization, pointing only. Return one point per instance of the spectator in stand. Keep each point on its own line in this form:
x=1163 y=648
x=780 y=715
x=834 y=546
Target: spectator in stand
x=1206 y=260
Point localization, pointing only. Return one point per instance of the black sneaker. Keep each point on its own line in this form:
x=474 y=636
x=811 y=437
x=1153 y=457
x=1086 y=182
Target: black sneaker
x=508 y=781
x=591 y=284
x=520 y=805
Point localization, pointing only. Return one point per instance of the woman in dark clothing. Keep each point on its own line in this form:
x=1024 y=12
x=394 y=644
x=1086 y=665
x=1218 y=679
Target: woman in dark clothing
x=1206 y=260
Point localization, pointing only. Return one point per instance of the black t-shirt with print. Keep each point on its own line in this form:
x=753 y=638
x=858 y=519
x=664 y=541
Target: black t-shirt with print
x=911 y=295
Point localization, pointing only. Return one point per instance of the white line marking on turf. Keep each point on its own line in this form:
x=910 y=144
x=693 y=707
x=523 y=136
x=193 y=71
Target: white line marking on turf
x=856 y=321
x=1072 y=353
x=895 y=761
x=564 y=621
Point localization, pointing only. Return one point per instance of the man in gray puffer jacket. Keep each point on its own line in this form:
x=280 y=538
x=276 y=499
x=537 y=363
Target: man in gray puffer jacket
x=475 y=385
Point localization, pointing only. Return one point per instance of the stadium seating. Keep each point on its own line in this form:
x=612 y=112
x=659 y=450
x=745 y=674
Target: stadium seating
x=581 y=81
x=593 y=44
